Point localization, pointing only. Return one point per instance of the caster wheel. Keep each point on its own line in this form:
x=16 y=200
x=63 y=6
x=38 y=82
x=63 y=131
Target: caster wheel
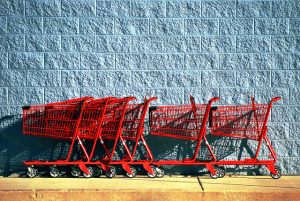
x=154 y=172
x=97 y=171
x=75 y=171
x=278 y=173
x=133 y=174
x=222 y=171
x=91 y=172
x=214 y=176
x=54 y=172
x=160 y=172
x=31 y=172
x=111 y=173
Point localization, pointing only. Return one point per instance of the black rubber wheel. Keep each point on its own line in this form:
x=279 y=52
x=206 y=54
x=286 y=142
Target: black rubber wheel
x=133 y=174
x=160 y=172
x=111 y=173
x=222 y=171
x=154 y=172
x=97 y=171
x=75 y=171
x=278 y=173
x=91 y=172
x=54 y=172
x=31 y=171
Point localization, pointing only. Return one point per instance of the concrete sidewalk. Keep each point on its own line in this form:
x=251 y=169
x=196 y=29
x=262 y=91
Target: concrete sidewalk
x=142 y=188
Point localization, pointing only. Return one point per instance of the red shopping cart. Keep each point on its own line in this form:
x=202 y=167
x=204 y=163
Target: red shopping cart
x=132 y=134
x=248 y=122
x=186 y=122
x=75 y=120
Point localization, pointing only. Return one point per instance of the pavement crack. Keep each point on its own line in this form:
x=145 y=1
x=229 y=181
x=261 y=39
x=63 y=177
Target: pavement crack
x=200 y=184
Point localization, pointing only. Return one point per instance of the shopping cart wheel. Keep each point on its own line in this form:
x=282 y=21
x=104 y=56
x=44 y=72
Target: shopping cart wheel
x=54 y=171
x=111 y=173
x=91 y=172
x=133 y=174
x=278 y=173
x=214 y=176
x=160 y=172
x=222 y=171
x=75 y=171
x=31 y=171
x=97 y=171
x=154 y=172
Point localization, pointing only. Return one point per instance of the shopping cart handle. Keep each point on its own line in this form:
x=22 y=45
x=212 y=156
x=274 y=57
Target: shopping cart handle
x=154 y=98
x=214 y=99
x=276 y=99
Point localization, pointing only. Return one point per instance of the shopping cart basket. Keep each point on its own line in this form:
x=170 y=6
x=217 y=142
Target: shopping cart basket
x=186 y=122
x=247 y=122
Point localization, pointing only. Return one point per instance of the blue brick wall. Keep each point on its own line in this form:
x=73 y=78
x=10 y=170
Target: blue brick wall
x=52 y=50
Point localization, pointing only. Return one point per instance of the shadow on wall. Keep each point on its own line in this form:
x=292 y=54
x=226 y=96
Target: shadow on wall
x=16 y=148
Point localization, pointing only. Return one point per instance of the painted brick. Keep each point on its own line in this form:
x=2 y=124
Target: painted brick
x=95 y=61
x=262 y=61
x=165 y=61
x=25 y=96
x=12 y=7
x=24 y=25
x=253 y=78
x=11 y=43
x=281 y=8
x=218 y=44
x=12 y=78
x=97 y=92
x=3 y=96
x=201 y=95
x=294 y=165
x=236 y=26
x=235 y=96
x=77 y=78
x=183 y=9
x=202 y=61
x=283 y=148
x=294 y=129
x=264 y=95
x=278 y=131
x=131 y=26
x=96 y=26
x=3 y=60
x=283 y=44
x=43 y=8
x=202 y=26
x=218 y=79
x=295 y=8
x=147 y=44
x=285 y=114
x=3 y=25
x=253 y=9
x=285 y=78
x=55 y=94
x=26 y=61
x=78 y=43
x=114 y=79
x=43 y=78
x=61 y=25
x=166 y=26
x=148 y=8
x=280 y=61
x=131 y=61
x=236 y=61
x=294 y=96
x=218 y=8
x=113 y=8
x=62 y=61
x=148 y=78
x=113 y=44
x=271 y=26
x=189 y=44
x=42 y=43
x=295 y=26
x=82 y=8
x=253 y=44
x=184 y=79
x=295 y=61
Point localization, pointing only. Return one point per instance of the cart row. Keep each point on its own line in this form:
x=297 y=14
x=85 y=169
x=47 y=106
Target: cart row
x=112 y=123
